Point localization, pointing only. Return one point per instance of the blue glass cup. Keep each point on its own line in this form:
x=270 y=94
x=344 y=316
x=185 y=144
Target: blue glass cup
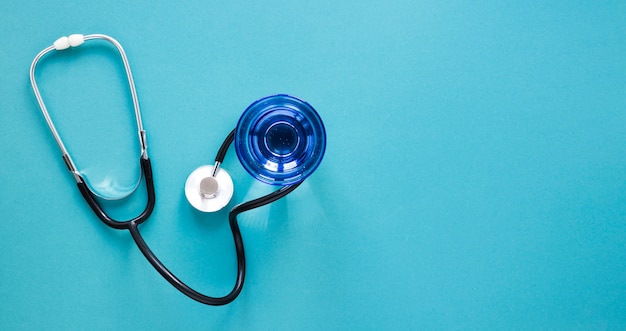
x=280 y=140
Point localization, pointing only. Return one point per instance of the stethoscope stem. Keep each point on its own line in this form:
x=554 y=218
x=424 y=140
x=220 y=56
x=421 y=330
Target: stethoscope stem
x=221 y=153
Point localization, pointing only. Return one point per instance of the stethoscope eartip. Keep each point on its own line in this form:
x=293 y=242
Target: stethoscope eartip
x=208 y=192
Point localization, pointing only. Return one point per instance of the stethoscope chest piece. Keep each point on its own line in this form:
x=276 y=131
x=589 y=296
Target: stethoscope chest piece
x=208 y=192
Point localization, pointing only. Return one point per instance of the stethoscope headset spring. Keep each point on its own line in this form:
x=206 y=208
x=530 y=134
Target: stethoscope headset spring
x=280 y=140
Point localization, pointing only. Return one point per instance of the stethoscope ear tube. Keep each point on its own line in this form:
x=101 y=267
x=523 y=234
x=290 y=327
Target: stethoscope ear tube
x=77 y=40
x=146 y=168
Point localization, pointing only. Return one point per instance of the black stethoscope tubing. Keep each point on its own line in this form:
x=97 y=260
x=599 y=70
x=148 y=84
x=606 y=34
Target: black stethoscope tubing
x=133 y=226
x=146 y=168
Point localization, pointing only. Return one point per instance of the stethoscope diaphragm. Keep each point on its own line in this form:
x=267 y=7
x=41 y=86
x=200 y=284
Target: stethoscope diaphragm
x=208 y=193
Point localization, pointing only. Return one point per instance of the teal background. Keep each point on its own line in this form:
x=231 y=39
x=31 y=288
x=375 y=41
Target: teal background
x=475 y=174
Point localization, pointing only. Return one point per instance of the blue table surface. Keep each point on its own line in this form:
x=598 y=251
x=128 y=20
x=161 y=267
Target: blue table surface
x=474 y=177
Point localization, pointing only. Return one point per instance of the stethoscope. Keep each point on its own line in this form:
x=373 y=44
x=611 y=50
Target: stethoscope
x=280 y=140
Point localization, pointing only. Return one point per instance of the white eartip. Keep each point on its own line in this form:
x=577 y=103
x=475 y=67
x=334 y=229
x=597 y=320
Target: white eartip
x=62 y=43
x=76 y=40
